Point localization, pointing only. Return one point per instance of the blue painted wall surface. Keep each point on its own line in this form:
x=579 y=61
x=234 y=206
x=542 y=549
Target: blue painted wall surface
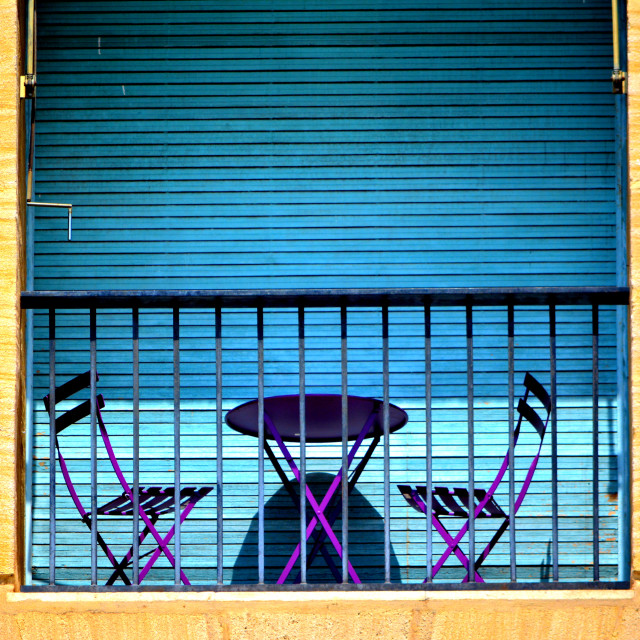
x=331 y=144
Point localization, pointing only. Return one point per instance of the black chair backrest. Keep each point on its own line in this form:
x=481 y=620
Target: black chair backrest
x=528 y=412
x=66 y=390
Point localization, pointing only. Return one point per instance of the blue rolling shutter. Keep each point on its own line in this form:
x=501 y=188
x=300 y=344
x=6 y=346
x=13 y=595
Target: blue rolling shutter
x=328 y=144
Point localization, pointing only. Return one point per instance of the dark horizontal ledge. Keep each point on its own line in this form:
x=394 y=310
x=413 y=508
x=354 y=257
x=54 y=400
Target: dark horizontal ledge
x=273 y=588
x=283 y=298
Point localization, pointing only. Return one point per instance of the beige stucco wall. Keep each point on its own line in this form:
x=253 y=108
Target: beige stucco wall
x=401 y=616
x=581 y=615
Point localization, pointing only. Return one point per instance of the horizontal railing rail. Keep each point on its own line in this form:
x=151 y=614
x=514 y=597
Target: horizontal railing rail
x=382 y=300
x=282 y=298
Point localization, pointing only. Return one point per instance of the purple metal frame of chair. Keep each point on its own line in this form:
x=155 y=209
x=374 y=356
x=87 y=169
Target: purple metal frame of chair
x=153 y=501
x=370 y=428
x=454 y=502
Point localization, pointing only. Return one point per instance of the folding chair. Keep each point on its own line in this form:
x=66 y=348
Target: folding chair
x=455 y=502
x=153 y=501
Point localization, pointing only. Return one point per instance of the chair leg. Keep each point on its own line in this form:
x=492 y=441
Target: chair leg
x=126 y=561
x=492 y=543
x=162 y=544
x=452 y=544
x=105 y=548
x=118 y=569
x=452 y=547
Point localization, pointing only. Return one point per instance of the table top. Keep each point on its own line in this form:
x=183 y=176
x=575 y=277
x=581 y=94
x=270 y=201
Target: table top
x=323 y=417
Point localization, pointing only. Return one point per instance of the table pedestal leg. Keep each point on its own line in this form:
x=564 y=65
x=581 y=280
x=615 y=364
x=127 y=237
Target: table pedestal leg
x=294 y=497
x=335 y=511
x=318 y=509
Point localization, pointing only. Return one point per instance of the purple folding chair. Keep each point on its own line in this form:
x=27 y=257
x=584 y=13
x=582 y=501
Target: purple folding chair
x=455 y=502
x=153 y=501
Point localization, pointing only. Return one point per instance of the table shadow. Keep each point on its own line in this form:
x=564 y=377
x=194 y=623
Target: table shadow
x=282 y=533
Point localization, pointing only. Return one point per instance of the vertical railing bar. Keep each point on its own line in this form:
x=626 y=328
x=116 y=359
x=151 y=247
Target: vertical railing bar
x=554 y=442
x=345 y=438
x=260 y=314
x=94 y=447
x=385 y=429
x=176 y=442
x=135 y=320
x=511 y=424
x=429 y=443
x=596 y=474
x=303 y=448
x=52 y=446
x=219 y=467
x=471 y=444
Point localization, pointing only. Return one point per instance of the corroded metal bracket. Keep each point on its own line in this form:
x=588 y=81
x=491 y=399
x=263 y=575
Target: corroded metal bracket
x=619 y=81
x=27 y=85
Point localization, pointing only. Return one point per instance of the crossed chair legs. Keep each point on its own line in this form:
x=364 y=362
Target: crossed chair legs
x=154 y=502
x=491 y=509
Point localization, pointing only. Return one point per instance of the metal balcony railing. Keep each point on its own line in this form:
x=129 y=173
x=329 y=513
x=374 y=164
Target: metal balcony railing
x=453 y=359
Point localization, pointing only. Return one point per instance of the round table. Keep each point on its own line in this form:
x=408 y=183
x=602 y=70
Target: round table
x=323 y=413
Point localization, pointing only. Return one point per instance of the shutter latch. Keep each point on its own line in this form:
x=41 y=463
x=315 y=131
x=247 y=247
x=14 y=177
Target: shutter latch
x=619 y=80
x=27 y=85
